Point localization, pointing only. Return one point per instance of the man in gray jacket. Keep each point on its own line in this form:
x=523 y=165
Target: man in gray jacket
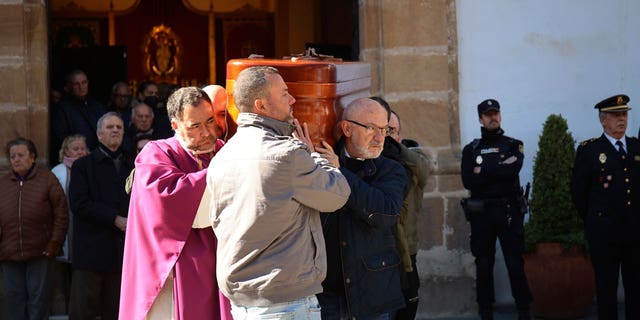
x=267 y=185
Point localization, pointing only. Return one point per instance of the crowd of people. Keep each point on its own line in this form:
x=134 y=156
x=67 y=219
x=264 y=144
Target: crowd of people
x=166 y=209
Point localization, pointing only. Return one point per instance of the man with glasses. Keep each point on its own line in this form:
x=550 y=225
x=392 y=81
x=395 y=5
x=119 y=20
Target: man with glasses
x=416 y=163
x=490 y=170
x=120 y=101
x=363 y=276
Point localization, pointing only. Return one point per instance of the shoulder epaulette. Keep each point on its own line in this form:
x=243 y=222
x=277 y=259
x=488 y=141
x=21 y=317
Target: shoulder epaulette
x=584 y=143
x=474 y=144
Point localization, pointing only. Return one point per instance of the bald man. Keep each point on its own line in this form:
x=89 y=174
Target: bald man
x=218 y=96
x=363 y=276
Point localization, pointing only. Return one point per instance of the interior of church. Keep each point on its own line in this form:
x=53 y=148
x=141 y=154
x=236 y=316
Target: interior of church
x=188 y=42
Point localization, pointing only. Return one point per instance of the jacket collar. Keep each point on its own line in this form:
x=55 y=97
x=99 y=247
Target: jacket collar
x=30 y=173
x=247 y=119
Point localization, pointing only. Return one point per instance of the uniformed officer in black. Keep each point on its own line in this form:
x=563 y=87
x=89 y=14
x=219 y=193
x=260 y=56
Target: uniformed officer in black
x=605 y=188
x=490 y=170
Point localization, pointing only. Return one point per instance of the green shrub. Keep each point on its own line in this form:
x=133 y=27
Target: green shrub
x=553 y=216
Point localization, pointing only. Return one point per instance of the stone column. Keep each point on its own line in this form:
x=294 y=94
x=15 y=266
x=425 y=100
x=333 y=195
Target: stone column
x=24 y=75
x=412 y=46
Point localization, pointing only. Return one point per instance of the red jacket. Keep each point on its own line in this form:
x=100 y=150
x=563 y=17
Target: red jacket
x=33 y=215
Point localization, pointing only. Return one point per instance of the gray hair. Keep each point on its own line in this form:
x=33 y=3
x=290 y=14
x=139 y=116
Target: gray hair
x=187 y=96
x=250 y=85
x=138 y=105
x=105 y=116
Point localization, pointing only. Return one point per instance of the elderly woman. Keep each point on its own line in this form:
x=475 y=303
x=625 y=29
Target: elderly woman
x=33 y=222
x=73 y=148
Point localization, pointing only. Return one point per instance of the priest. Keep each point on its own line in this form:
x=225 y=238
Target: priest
x=169 y=257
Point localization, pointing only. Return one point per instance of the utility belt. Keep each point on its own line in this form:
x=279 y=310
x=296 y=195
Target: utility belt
x=472 y=206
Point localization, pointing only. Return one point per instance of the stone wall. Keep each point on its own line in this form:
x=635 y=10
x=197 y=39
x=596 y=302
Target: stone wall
x=23 y=75
x=412 y=46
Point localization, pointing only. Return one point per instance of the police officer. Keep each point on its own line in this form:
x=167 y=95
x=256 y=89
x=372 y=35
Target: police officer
x=490 y=167
x=605 y=188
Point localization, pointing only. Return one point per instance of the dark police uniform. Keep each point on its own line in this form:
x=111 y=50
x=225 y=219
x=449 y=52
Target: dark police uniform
x=605 y=188
x=496 y=189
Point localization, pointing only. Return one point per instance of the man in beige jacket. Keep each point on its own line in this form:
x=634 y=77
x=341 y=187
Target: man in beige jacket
x=267 y=189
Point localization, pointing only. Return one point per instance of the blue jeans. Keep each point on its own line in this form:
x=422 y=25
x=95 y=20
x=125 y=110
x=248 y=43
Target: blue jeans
x=27 y=287
x=302 y=309
x=334 y=307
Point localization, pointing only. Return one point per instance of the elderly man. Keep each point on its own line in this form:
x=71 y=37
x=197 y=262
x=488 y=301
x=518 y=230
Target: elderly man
x=141 y=126
x=170 y=261
x=120 y=101
x=605 y=188
x=363 y=279
x=141 y=119
x=99 y=205
x=77 y=113
x=416 y=163
x=266 y=191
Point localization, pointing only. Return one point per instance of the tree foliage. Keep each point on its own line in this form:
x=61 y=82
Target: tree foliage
x=553 y=216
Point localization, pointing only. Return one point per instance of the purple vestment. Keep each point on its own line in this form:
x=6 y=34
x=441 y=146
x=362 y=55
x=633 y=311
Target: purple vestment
x=167 y=190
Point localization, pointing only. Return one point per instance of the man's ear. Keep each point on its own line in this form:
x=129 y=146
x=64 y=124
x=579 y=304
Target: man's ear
x=258 y=106
x=346 y=129
x=174 y=124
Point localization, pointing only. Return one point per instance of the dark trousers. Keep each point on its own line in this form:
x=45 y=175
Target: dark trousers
x=27 y=286
x=410 y=292
x=609 y=260
x=502 y=221
x=94 y=294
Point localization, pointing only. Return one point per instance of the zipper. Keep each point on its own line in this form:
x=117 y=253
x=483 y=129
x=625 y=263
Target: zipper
x=20 y=218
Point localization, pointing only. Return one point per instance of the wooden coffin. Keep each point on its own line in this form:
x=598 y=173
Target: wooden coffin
x=322 y=89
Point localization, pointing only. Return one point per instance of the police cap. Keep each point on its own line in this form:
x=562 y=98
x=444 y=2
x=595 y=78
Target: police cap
x=488 y=105
x=616 y=103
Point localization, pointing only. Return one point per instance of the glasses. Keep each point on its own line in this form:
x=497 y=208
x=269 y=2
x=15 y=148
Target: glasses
x=371 y=129
x=393 y=130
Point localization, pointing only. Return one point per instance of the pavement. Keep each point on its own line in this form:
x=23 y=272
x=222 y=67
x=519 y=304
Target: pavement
x=501 y=313
x=510 y=313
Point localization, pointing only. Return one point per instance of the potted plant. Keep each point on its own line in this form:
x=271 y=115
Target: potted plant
x=556 y=263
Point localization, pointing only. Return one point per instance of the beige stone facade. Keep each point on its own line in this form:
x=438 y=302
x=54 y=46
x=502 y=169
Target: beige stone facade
x=412 y=46
x=23 y=74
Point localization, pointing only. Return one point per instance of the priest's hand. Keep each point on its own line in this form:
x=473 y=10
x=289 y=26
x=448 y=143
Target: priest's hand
x=121 y=223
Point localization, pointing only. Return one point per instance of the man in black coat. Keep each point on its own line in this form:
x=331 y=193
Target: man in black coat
x=605 y=188
x=490 y=169
x=77 y=113
x=100 y=206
